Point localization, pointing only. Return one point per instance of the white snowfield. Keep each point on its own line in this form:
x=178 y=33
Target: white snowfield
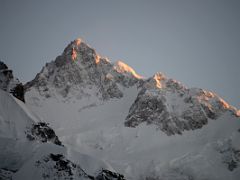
x=95 y=126
x=143 y=151
x=22 y=159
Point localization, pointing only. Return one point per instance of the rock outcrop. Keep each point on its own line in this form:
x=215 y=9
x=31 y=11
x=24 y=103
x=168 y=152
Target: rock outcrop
x=9 y=83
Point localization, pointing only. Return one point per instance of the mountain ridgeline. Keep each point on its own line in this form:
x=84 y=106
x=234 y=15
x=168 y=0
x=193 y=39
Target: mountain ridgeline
x=80 y=68
x=164 y=102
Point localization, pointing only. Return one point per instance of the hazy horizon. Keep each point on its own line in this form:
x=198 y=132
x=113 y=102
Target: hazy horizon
x=194 y=42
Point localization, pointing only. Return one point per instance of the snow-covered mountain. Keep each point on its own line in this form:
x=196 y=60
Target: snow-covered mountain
x=154 y=128
x=173 y=108
x=81 y=72
x=30 y=149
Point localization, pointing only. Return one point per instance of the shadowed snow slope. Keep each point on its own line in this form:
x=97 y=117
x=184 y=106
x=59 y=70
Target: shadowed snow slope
x=152 y=128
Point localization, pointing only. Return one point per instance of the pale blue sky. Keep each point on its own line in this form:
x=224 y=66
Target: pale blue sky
x=195 y=42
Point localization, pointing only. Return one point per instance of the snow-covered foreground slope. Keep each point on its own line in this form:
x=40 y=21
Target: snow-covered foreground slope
x=144 y=128
x=29 y=149
x=211 y=152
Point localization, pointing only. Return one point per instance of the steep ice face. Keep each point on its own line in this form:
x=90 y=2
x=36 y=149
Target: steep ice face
x=173 y=108
x=80 y=71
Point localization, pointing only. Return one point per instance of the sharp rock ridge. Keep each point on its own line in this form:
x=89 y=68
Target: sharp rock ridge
x=78 y=69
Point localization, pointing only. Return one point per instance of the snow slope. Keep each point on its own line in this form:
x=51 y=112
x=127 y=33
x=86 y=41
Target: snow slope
x=91 y=105
x=29 y=149
x=99 y=131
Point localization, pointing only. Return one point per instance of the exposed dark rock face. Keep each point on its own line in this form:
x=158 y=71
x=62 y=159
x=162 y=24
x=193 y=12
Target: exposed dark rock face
x=6 y=76
x=18 y=92
x=3 y=66
x=56 y=166
x=230 y=155
x=174 y=108
x=43 y=133
x=9 y=83
x=84 y=72
x=6 y=174
x=109 y=175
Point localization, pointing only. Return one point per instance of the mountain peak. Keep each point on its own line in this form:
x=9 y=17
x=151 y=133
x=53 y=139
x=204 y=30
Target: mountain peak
x=79 y=68
x=76 y=49
x=121 y=67
x=158 y=77
x=78 y=41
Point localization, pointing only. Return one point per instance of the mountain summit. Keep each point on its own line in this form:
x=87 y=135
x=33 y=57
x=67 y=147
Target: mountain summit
x=81 y=71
